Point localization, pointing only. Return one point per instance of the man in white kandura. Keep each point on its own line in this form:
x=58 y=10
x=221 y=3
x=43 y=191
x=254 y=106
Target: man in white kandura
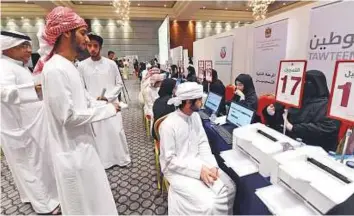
x=102 y=73
x=24 y=129
x=197 y=186
x=82 y=182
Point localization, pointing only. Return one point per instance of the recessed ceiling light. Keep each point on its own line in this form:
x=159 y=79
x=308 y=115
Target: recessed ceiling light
x=80 y=2
x=26 y=1
x=204 y=7
x=165 y=5
x=22 y=17
x=138 y=5
x=284 y=3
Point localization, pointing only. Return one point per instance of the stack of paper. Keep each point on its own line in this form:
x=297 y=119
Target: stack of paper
x=241 y=163
x=281 y=201
x=220 y=120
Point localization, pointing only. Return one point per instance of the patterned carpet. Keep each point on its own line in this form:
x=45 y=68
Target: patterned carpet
x=134 y=188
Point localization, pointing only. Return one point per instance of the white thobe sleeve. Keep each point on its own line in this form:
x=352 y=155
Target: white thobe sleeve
x=203 y=146
x=191 y=166
x=113 y=93
x=16 y=94
x=61 y=103
x=150 y=100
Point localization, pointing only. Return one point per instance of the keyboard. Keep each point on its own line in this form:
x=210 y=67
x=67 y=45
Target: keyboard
x=203 y=115
x=225 y=135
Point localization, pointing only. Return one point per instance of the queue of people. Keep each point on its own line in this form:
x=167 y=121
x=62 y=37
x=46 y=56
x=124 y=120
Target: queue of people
x=58 y=148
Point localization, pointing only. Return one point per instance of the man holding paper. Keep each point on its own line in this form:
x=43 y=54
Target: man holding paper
x=82 y=183
x=197 y=186
x=24 y=129
x=100 y=73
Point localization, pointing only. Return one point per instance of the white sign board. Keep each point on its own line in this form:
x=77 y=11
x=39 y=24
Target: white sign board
x=201 y=69
x=341 y=105
x=290 y=84
x=208 y=71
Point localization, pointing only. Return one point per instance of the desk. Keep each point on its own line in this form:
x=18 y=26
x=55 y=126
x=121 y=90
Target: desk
x=246 y=201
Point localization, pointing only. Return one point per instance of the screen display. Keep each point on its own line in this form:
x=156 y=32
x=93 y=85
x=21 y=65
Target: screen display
x=239 y=115
x=213 y=102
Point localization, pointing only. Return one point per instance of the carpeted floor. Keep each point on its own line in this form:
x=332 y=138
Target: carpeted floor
x=134 y=188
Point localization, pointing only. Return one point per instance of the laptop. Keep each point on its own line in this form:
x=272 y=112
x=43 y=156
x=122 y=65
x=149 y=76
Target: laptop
x=212 y=105
x=238 y=116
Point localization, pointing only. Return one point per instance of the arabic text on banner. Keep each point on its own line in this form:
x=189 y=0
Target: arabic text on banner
x=331 y=37
x=269 y=49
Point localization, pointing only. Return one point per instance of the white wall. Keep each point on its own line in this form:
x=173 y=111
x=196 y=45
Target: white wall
x=298 y=33
x=203 y=50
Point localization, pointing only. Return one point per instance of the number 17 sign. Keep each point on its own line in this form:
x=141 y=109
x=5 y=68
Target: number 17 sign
x=341 y=104
x=291 y=80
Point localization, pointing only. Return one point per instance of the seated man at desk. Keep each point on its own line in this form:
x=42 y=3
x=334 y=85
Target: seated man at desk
x=197 y=186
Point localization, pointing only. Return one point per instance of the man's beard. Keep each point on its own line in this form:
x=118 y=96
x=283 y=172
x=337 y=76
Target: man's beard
x=74 y=45
x=94 y=55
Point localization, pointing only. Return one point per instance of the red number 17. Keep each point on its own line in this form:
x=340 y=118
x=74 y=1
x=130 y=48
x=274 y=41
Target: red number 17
x=285 y=80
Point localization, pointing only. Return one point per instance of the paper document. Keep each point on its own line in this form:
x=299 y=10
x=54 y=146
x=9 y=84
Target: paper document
x=241 y=163
x=220 y=120
x=281 y=201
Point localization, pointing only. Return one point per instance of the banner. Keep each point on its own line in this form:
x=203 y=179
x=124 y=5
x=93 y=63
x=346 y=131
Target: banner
x=177 y=55
x=223 y=51
x=269 y=49
x=185 y=61
x=331 y=37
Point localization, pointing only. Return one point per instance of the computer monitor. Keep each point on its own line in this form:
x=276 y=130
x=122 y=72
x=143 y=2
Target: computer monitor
x=213 y=102
x=239 y=115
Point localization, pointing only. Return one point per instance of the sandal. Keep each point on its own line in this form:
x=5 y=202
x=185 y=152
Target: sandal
x=56 y=211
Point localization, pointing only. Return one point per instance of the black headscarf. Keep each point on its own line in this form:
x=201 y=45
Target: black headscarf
x=166 y=88
x=191 y=71
x=214 y=75
x=315 y=85
x=247 y=82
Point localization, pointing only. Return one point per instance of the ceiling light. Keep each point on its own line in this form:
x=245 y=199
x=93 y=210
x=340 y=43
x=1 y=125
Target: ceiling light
x=138 y=5
x=26 y=1
x=204 y=7
x=284 y=3
x=165 y=5
x=246 y=9
x=122 y=9
x=260 y=8
x=80 y=2
x=226 y=8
